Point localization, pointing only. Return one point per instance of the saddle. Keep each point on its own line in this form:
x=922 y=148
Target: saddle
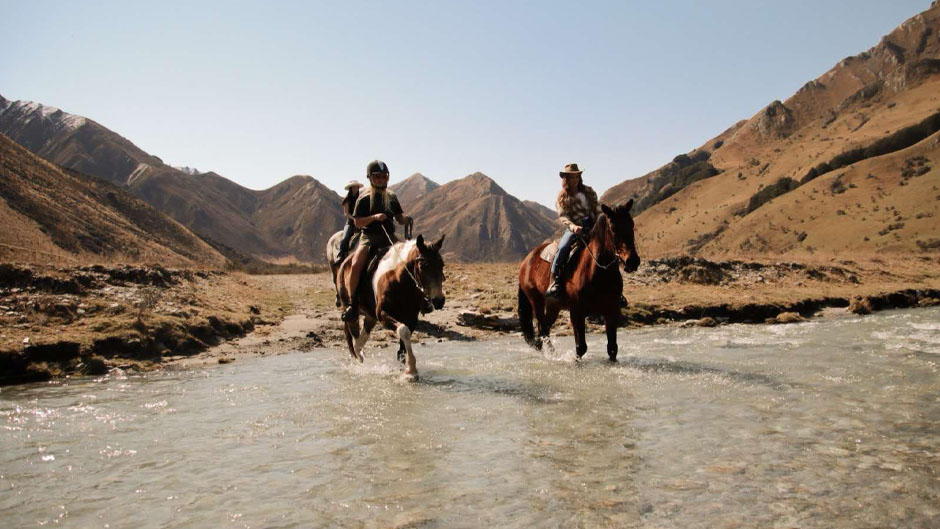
x=353 y=243
x=548 y=253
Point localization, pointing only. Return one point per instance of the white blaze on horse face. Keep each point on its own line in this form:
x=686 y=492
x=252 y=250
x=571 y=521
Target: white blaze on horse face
x=396 y=255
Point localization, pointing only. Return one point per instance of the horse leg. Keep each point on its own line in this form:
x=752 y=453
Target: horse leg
x=538 y=308
x=404 y=337
x=577 y=324
x=352 y=332
x=363 y=337
x=549 y=315
x=334 y=267
x=401 y=351
x=611 y=320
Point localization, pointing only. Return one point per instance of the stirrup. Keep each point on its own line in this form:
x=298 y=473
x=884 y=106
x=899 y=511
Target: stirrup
x=554 y=290
x=350 y=314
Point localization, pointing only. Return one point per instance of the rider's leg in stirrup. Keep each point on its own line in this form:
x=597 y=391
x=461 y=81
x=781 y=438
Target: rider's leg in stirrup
x=558 y=264
x=358 y=262
x=344 y=242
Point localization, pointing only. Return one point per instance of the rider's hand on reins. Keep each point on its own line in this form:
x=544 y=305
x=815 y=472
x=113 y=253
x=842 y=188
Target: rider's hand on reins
x=379 y=217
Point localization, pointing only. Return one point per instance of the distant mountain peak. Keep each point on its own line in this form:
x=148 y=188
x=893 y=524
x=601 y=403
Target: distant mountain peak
x=483 y=183
x=413 y=188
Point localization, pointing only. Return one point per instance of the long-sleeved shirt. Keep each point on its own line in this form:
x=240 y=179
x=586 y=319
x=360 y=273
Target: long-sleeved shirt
x=583 y=205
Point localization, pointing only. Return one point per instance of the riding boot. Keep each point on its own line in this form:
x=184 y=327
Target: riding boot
x=554 y=290
x=351 y=312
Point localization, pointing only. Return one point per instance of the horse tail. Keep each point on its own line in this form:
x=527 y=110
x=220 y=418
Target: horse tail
x=525 y=317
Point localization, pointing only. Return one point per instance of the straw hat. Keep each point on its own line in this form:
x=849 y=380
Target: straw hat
x=352 y=183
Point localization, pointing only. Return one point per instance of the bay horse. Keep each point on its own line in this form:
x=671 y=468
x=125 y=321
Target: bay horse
x=408 y=280
x=594 y=286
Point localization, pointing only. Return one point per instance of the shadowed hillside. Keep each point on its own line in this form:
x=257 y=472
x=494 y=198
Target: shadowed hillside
x=53 y=214
x=846 y=165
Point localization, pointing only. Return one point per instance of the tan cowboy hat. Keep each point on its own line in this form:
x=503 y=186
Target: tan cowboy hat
x=352 y=183
x=571 y=168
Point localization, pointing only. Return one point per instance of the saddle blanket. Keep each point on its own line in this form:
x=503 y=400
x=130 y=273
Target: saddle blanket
x=548 y=253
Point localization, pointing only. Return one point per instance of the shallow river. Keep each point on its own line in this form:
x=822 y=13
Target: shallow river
x=824 y=424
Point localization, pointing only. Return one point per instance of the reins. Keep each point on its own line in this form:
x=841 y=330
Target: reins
x=587 y=246
x=413 y=278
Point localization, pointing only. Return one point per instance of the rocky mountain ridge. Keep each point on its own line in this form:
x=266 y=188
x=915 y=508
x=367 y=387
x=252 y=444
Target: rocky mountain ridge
x=847 y=164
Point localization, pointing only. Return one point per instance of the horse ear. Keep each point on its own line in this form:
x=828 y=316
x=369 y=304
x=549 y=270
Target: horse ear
x=420 y=242
x=628 y=206
x=437 y=245
x=607 y=211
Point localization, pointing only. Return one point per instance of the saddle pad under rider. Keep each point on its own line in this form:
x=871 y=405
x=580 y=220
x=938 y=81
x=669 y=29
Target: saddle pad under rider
x=548 y=253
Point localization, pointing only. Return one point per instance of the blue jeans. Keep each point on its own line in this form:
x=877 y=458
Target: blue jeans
x=561 y=256
x=347 y=234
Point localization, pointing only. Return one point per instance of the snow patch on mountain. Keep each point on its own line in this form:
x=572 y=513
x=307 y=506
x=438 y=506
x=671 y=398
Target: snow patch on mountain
x=188 y=170
x=30 y=110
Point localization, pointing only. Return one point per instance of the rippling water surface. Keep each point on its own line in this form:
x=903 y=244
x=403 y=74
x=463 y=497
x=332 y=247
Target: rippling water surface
x=822 y=424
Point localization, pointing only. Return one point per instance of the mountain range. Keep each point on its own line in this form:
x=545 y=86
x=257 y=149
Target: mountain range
x=847 y=165
x=291 y=220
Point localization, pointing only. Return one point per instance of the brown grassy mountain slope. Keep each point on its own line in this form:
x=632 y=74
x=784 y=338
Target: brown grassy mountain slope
x=412 y=189
x=482 y=222
x=848 y=165
x=214 y=207
x=301 y=214
x=55 y=214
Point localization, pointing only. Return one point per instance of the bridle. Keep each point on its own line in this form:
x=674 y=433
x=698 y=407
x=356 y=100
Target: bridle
x=412 y=276
x=587 y=245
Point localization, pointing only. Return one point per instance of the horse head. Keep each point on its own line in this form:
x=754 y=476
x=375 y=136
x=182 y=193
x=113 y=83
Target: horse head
x=621 y=227
x=429 y=270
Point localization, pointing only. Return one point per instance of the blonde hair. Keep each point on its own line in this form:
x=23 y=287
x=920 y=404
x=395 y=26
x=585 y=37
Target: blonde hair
x=379 y=197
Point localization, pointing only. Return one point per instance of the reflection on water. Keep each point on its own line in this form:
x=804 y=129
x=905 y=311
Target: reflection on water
x=820 y=424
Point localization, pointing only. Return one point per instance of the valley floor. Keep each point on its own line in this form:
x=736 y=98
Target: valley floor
x=57 y=322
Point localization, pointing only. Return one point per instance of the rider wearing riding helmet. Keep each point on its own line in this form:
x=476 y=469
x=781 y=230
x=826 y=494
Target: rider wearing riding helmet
x=373 y=214
x=578 y=209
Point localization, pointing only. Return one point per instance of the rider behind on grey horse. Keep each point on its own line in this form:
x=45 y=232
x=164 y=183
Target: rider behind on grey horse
x=349 y=202
x=373 y=214
x=578 y=209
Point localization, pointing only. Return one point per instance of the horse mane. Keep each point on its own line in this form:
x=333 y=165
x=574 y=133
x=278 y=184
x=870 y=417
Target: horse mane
x=601 y=229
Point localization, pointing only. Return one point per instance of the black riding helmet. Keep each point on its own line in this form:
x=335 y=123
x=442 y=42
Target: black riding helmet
x=376 y=166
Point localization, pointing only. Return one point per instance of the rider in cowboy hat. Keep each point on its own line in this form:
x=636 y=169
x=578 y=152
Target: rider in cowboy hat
x=373 y=214
x=578 y=209
x=349 y=201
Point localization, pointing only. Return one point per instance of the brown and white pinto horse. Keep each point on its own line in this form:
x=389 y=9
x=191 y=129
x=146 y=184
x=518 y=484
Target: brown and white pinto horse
x=332 y=249
x=594 y=286
x=408 y=280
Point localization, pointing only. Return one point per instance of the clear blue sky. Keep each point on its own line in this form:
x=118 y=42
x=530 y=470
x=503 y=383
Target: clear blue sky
x=260 y=91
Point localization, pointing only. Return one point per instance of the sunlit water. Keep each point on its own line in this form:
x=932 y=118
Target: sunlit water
x=823 y=424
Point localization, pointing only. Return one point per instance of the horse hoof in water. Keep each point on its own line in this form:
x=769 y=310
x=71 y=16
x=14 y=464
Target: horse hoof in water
x=409 y=377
